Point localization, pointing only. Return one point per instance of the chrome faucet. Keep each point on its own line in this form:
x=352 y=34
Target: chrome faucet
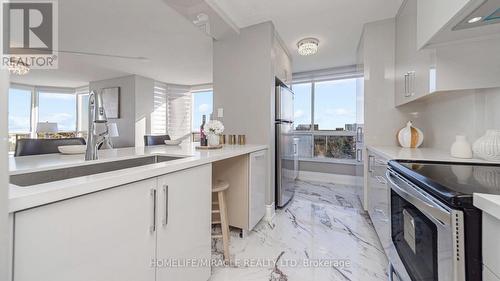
x=97 y=115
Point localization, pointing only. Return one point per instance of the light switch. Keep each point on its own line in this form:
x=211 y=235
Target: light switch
x=220 y=112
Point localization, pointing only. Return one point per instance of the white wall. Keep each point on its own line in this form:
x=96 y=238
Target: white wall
x=244 y=86
x=126 y=122
x=136 y=106
x=4 y=190
x=144 y=106
x=445 y=115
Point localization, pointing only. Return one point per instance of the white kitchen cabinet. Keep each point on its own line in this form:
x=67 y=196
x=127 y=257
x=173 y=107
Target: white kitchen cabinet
x=379 y=197
x=491 y=244
x=412 y=65
x=121 y=233
x=184 y=223
x=247 y=176
x=257 y=187
x=103 y=236
x=467 y=65
x=282 y=62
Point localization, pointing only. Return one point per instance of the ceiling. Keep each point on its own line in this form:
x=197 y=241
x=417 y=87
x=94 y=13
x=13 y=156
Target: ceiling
x=175 y=50
x=336 y=23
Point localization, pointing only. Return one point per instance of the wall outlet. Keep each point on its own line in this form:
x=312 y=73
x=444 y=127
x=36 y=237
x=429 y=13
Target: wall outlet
x=220 y=112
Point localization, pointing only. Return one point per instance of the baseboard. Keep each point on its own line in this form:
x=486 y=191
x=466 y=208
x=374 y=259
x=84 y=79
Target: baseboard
x=270 y=212
x=329 y=178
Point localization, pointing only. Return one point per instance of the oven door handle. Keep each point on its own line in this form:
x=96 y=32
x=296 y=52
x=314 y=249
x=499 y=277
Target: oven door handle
x=420 y=201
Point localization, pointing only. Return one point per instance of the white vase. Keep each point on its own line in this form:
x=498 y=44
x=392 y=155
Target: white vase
x=488 y=146
x=213 y=140
x=461 y=148
x=410 y=137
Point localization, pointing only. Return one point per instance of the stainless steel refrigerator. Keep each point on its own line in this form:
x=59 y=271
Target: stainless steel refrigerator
x=286 y=147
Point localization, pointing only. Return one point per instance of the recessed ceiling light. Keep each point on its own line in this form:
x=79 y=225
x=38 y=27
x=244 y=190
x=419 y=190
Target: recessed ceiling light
x=476 y=19
x=308 y=46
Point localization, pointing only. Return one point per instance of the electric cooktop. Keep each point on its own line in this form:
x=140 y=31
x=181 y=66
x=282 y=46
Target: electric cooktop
x=452 y=183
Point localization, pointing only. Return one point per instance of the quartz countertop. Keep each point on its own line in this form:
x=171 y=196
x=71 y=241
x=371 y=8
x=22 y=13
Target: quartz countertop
x=31 y=196
x=422 y=154
x=488 y=203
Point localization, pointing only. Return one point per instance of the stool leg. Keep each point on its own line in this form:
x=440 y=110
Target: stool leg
x=224 y=224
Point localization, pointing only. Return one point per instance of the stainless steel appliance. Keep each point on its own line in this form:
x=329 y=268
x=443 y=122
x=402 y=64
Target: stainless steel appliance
x=435 y=229
x=286 y=148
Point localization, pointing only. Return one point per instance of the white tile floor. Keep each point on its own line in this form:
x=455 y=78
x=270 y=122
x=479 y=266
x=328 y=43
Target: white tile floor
x=323 y=234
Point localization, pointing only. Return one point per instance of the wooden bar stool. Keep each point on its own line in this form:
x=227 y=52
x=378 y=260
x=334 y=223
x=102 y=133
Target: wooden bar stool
x=219 y=187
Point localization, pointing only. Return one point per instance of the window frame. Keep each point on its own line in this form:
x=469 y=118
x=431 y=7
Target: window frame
x=33 y=108
x=61 y=91
x=327 y=133
x=200 y=90
x=35 y=102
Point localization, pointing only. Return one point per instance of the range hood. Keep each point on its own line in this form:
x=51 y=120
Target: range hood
x=486 y=13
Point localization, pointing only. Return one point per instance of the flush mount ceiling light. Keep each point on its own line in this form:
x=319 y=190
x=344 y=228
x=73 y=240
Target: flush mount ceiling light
x=308 y=46
x=18 y=67
x=476 y=19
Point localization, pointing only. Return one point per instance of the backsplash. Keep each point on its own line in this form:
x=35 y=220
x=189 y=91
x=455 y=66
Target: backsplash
x=446 y=115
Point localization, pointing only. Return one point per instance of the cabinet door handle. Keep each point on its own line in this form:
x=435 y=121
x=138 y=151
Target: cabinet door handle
x=359 y=134
x=165 y=193
x=405 y=90
x=152 y=228
x=370 y=157
x=407 y=84
x=359 y=155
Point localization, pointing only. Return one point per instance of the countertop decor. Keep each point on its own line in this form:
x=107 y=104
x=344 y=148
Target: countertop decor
x=410 y=136
x=488 y=146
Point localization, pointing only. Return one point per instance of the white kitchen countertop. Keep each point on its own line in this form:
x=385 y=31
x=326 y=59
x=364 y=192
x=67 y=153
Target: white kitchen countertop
x=488 y=203
x=423 y=154
x=31 y=196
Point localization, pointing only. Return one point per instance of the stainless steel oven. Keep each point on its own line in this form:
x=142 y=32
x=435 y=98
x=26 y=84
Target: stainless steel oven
x=427 y=235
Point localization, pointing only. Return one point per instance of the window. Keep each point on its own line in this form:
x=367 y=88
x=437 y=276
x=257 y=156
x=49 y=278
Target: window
x=82 y=95
x=29 y=105
x=59 y=108
x=202 y=105
x=302 y=106
x=335 y=104
x=325 y=119
x=19 y=110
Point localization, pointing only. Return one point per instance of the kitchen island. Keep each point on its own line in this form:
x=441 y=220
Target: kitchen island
x=151 y=220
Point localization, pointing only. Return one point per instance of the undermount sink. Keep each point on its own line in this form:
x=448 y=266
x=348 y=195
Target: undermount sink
x=35 y=178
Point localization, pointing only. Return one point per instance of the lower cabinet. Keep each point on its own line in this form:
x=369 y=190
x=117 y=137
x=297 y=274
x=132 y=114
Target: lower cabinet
x=491 y=247
x=141 y=231
x=379 y=197
x=184 y=225
x=257 y=187
x=103 y=236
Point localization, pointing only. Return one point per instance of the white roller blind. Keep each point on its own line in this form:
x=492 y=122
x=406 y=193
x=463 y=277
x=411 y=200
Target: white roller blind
x=172 y=110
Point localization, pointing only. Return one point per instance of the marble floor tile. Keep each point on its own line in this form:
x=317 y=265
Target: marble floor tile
x=323 y=234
